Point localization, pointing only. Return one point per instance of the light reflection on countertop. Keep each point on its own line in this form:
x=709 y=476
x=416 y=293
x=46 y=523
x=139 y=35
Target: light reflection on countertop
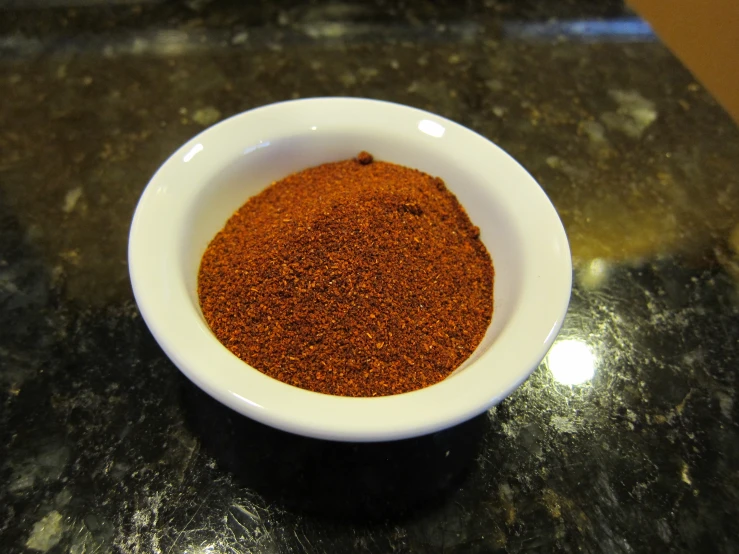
x=571 y=362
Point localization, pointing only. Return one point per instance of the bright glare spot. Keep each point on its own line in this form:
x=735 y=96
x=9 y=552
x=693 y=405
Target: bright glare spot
x=594 y=274
x=598 y=267
x=313 y=128
x=571 y=362
x=194 y=150
x=431 y=128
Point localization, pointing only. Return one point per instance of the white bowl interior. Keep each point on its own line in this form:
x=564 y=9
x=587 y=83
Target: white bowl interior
x=251 y=173
x=201 y=185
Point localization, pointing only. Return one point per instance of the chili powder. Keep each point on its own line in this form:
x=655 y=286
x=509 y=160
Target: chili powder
x=355 y=278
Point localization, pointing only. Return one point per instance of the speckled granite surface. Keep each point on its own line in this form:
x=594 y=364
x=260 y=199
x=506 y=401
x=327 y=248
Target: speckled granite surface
x=105 y=447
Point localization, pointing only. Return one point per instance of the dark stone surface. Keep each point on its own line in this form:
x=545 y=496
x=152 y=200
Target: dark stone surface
x=104 y=446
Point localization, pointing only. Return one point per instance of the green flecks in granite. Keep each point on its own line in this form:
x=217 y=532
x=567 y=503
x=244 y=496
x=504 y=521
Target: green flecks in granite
x=594 y=131
x=206 y=116
x=726 y=403
x=499 y=111
x=634 y=115
x=564 y=425
x=71 y=199
x=348 y=79
x=47 y=532
x=63 y=498
x=47 y=466
x=685 y=474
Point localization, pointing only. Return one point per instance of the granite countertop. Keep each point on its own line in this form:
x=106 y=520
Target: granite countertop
x=624 y=440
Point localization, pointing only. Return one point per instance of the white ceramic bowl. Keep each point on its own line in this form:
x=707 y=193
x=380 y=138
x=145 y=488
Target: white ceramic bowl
x=192 y=195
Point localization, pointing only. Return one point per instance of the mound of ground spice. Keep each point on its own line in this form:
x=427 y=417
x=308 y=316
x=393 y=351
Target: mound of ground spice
x=355 y=278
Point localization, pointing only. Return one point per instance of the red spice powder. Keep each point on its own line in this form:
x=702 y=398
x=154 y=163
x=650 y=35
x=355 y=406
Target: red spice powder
x=355 y=278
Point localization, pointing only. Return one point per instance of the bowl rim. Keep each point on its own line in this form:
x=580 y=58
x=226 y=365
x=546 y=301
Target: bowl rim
x=450 y=402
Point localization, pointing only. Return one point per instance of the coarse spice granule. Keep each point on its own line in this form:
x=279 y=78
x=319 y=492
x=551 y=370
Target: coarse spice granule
x=354 y=278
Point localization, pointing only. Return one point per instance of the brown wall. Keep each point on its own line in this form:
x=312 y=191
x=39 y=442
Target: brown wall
x=704 y=34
